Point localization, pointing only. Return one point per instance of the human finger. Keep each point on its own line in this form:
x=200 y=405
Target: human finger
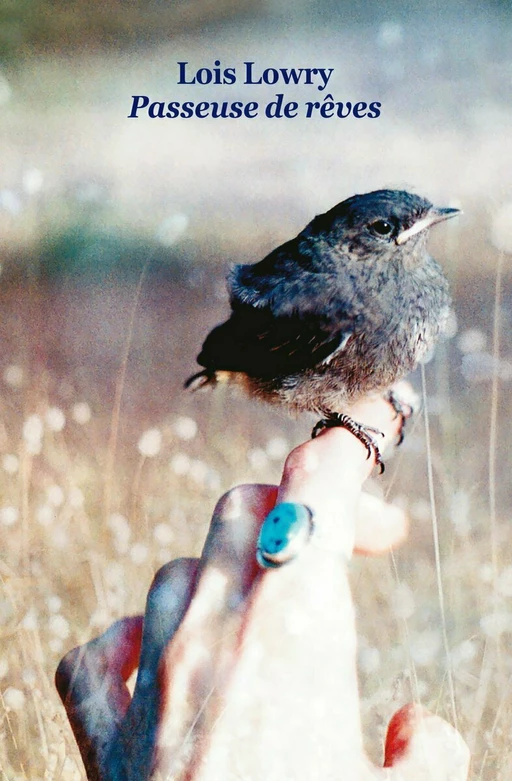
x=325 y=475
x=421 y=746
x=91 y=681
x=133 y=751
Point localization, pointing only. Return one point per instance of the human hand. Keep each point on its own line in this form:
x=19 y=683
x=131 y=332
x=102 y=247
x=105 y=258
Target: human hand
x=245 y=673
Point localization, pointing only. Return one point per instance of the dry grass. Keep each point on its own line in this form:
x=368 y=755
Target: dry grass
x=84 y=525
x=71 y=564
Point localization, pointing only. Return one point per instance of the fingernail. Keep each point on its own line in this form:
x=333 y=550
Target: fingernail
x=285 y=532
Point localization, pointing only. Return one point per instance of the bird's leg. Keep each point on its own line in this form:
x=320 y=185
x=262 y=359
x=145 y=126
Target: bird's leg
x=365 y=434
x=402 y=410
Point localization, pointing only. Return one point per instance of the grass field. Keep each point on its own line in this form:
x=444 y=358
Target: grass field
x=91 y=508
x=115 y=242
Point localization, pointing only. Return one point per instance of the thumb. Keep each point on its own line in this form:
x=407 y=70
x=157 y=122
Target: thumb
x=424 y=747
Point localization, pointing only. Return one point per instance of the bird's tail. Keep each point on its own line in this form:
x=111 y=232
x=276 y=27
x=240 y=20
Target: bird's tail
x=200 y=380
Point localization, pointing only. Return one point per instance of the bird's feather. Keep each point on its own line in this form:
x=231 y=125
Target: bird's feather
x=258 y=343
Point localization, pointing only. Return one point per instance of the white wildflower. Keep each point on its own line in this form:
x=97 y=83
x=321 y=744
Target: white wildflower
x=33 y=434
x=121 y=531
x=55 y=419
x=81 y=413
x=164 y=555
x=114 y=575
x=185 y=428
x=14 y=699
x=54 y=604
x=150 y=443
x=473 y=340
x=425 y=646
x=55 y=495
x=479 y=367
x=496 y=623
x=180 y=464
x=505 y=582
x=32 y=181
x=460 y=506
x=198 y=471
x=30 y=621
x=10 y=201
x=9 y=515
x=464 y=652
x=59 y=626
x=14 y=376
x=163 y=534
x=10 y=463
x=76 y=498
x=402 y=601
x=45 y=515
x=369 y=660
x=170 y=229
x=29 y=677
x=100 y=617
x=486 y=573
x=276 y=448
x=257 y=458
x=213 y=480
x=139 y=553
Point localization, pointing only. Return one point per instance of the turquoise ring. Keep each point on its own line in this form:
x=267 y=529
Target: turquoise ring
x=285 y=531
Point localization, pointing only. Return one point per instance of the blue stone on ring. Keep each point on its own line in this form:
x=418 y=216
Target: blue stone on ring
x=285 y=531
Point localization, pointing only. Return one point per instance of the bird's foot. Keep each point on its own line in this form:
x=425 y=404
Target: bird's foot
x=402 y=409
x=365 y=434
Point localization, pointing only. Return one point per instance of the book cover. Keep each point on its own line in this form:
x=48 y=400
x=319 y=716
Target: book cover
x=146 y=149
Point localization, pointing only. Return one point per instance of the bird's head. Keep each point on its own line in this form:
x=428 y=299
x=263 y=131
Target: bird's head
x=383 y=225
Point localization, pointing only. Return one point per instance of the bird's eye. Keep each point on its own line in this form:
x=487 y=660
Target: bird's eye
x=381 y=228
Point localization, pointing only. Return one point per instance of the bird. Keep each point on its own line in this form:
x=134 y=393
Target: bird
x=344 y=310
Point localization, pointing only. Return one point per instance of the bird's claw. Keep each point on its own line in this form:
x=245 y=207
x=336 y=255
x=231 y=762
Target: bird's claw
x=365 y=434
x=402 y=409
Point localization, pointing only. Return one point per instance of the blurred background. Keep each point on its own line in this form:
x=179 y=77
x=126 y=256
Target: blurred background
x=116 y=235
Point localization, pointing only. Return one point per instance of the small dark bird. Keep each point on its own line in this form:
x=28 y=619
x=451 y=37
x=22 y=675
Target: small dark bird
x=345 y=309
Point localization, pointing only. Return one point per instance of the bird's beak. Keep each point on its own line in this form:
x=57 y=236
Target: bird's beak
x=431 y=218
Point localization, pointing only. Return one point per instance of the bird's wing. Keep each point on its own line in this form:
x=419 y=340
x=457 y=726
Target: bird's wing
x=256 y=341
